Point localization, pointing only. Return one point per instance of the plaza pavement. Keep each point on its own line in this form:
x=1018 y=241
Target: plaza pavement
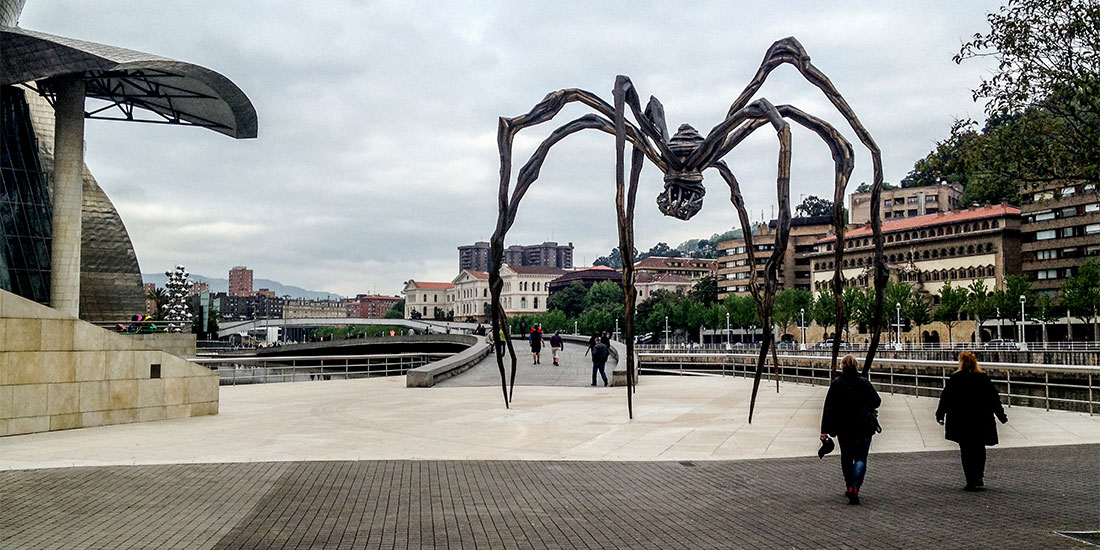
x=372 y=464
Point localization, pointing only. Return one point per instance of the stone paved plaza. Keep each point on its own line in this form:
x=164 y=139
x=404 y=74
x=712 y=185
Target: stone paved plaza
x=372 y=464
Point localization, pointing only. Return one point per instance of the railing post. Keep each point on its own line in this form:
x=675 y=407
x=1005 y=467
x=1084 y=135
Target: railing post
x=1046 y=388
x=1090 y=394
x=891 y=378
x=1008 y=376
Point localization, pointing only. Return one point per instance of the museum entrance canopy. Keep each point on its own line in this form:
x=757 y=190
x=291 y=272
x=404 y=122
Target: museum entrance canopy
x=135 y=86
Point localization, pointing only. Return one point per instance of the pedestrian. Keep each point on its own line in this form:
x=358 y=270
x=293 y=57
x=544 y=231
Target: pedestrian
x=599 y=358
x=968 y=403
x=536 y=344
x=523 y=328
x=501 y=341
x=556 y=344
x=592 y=342
x=850 y=414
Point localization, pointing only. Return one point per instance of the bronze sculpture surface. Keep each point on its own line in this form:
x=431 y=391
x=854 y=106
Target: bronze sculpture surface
x=682 y=158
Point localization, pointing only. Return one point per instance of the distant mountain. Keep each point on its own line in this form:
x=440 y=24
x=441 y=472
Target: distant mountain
x=222 y=285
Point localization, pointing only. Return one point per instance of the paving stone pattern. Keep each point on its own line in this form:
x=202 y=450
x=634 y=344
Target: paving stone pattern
x=911 y=500
x=575 y=368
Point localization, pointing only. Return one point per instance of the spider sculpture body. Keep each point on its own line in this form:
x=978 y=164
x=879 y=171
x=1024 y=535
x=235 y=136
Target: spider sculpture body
x=682 y=158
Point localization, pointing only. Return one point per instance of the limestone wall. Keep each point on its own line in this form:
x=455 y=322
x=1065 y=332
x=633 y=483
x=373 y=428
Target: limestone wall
x=57 y=372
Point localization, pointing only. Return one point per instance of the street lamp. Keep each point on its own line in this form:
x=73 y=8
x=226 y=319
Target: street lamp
x=752 y=334
x=1023 y=341
x=575 y=331
x=728 y=331
x=667 y=345
x=616 y=330
x=897 y=305
x=803 y=313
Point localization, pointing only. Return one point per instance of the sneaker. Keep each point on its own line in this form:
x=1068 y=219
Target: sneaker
x=593 y=383
x=605 y=383
x=853 y=496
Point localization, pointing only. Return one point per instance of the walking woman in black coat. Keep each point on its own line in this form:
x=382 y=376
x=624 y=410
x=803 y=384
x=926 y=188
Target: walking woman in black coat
x=968 y=404
x=850 y=414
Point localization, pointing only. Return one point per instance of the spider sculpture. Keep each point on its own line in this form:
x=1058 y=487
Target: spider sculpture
x=682 y=158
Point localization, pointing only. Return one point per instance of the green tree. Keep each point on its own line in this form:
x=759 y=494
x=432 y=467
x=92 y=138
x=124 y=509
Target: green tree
x=614 y=260
x=865 y=187
x=662 y=250
x=814 y=206
x=858 y=308
x=979 y=305
x=920 y=314
x=788 y=307
x=952 y=301
x=947 y=163
x=1081 y=295
x=569 y=300
x=705 y=290
x=604 y=293
x=159 y=296
x=1045 y=311
x=824 y=309
x=1049 y=72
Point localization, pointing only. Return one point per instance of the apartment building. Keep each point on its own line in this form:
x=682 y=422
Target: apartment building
x=905 y=202
x=795 y=270
x=1061 y=231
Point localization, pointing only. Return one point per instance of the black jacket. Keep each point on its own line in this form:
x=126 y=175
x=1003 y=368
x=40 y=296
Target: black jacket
x=599 y=353
x=850 y=407
x=968 y=404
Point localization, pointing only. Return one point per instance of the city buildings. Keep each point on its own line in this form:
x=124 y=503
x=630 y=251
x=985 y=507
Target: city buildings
x=645 y=284
x=905 y=202
x=422 y=299
x=1061 y=231
x=547 y=254
x=370 y=306
x=301 y=308
x=690 y=268
x=588 y=277
x=928 y=251
x=240 y=281
x=794 y=271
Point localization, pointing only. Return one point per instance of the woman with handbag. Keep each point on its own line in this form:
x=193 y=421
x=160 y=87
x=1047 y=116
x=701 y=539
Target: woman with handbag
x=968 y=403
x=850 y=414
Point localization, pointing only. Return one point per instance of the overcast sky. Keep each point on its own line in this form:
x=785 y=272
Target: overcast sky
x=377 y=155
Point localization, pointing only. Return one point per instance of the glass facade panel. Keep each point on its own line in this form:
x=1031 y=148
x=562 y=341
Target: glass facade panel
x=24 y=203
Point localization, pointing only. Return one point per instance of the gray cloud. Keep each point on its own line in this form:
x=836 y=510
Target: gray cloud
x=377 y=152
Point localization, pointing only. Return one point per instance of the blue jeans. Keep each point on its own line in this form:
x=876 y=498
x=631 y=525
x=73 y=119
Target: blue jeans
x=598 y=367
x=853 y=459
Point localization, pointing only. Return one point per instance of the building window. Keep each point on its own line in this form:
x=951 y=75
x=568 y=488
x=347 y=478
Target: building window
x=523 y=303
x=1044 y=215
x=931 y=198
x=536 y=302
x=1044 y=274
x=1092 y=251
x=1044 y=235
x=1043 y=196
x=1092 y=207
x=1046 y=254
x=1069 y=212
x=1068 y=191
x=1090 y=229
x=913 y=200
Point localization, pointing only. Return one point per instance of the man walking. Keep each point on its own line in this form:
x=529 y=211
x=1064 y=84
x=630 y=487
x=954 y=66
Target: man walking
x=599 y=358
x=556 y=344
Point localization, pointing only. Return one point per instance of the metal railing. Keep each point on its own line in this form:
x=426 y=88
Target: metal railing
x=820 y=348
x=266 y=370
x=1066 y=387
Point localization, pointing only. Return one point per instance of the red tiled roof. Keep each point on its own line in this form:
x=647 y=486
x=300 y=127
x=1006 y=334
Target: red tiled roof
x=435 y=286
x=477 y=274
x=931 y=220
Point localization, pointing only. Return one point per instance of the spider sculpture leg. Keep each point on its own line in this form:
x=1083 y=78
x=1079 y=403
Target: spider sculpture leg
x=648 y=139
x=842 y=155
x=789 y=50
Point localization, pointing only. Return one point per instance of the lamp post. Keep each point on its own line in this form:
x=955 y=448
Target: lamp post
x=616 y=330
x=897 y=306
x=1023 y=340
x=575 y=331
x=728 y=331
x=802 y=312
x=752 y=334
x=667 y=344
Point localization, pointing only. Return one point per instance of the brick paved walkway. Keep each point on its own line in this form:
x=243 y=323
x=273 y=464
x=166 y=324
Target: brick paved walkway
x=575 y=368
x=911 y=500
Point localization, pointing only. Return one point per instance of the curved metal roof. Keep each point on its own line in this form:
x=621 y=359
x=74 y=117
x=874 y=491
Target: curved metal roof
x=174 y=91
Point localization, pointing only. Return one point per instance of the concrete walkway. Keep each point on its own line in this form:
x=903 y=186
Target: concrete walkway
x=372 y=464
x=574 y=369
x=688 y=418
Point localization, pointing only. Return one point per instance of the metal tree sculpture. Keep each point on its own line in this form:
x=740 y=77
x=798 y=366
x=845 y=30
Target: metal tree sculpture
x=682 y=158
x=176 y=312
